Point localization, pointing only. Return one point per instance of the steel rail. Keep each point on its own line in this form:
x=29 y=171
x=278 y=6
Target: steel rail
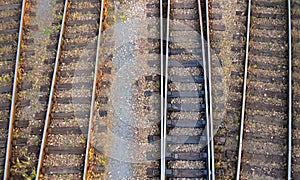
x=92 y=107
x=205 y=89
x=165 y=94
x=210 y=95
x=13 y=97
x=244 y=95
x=290 y=100
x=49 y=108
x=162 y=105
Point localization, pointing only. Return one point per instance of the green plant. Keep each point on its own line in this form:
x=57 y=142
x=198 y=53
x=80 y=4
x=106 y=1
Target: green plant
x=60 y=174
x=76 y=15
x=122 y=16
x=20 y=167
x=8 y=96
x=60 y=16
x=35 y=141
x=102 y=161
x=82 y=140
x=47 y=31
x=34 y=105
x=158 y=83
x=36 y=83
x=5 y=78
x=32 y=174
x=58 y=27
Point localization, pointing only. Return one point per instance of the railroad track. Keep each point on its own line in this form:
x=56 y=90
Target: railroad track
x=63 y=148
x=265 y=133
x=185 y=124
x=31 y=88
x=9 y=32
